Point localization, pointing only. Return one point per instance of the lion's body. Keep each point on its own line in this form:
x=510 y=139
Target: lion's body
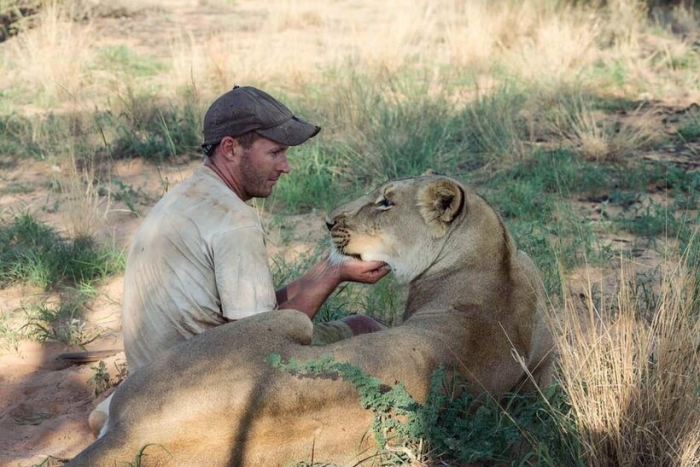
x=473 y=300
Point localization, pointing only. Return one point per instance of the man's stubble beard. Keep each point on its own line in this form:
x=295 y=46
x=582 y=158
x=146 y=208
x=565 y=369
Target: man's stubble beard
x=254 y=182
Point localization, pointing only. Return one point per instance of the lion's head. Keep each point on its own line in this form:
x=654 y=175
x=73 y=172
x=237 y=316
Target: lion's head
x=407 y=223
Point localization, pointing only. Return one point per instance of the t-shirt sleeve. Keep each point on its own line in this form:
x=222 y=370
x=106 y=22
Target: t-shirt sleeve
x=242 y=273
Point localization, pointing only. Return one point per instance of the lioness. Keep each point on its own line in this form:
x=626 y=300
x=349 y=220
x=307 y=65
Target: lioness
x=473 y=300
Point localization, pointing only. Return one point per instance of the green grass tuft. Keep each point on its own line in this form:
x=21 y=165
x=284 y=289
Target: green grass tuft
x=34 y=253
x=124 y=60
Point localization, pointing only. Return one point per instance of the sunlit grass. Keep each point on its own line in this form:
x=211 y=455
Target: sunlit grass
x=47 y=61
x=290 y=44
x=630 y=366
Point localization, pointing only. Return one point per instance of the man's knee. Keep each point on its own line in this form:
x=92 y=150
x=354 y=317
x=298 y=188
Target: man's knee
x=345 y=328
x=362 y=324
x=99 y=416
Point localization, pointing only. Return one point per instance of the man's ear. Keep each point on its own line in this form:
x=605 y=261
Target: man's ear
x=230 y=148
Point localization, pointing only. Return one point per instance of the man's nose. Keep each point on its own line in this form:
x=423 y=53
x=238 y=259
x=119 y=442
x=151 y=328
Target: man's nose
x=284 y=165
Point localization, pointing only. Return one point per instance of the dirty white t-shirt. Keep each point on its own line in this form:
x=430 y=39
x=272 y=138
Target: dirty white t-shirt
x=197 y=261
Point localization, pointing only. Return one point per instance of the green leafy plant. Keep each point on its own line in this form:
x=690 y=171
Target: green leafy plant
x=451 y=425
x=62 y=321
x=100 y=379
x=128 y=195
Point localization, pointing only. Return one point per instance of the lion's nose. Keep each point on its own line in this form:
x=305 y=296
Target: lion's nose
x=333 y=220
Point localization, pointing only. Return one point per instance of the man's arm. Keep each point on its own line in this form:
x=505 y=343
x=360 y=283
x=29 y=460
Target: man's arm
x=308 y=293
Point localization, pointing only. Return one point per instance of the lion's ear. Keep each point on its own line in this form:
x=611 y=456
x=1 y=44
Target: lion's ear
x=439 y=204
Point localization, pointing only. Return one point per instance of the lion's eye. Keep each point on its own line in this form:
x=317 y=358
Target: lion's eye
x=384 y=204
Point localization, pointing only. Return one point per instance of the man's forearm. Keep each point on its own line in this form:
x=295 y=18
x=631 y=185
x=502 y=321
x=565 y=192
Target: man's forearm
x=308 y=293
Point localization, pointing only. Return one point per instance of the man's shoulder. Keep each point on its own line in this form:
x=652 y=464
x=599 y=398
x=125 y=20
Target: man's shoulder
x=198 y=208
x=203 y=195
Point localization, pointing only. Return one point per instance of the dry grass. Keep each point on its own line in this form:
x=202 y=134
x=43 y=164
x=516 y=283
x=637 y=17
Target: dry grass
x=596 y=135
x=536 y=40
x=86 y=209
x=48 y=60
x=631 y=370
x=291 y=43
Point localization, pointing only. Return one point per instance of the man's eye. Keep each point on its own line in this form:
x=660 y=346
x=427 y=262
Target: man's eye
x=384 y=204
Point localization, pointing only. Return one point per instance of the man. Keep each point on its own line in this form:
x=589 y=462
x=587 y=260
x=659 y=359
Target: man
x=199 y=257
x=199 y=260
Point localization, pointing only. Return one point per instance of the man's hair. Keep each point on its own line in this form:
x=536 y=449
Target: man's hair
x=246 y=140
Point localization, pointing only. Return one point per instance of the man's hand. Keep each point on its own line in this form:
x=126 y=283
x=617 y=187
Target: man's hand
x=308 y=293
x=366 y=272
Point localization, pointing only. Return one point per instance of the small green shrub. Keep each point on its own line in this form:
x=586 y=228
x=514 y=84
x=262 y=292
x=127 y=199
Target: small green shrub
x=451 y=426
x=99 y=379
x=128 y=195
x=34 y=253
x=62 y=321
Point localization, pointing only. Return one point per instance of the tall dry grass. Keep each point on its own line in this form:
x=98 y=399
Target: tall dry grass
x=48 y=60
x=573 y=118
x=290 y=44
x=86 y=209
x=631 y=369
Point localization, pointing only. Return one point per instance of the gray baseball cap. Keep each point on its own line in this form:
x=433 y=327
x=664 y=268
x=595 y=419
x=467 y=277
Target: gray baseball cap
x=245 y=109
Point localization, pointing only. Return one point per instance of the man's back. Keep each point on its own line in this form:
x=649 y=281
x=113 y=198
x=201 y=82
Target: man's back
x=197 y=261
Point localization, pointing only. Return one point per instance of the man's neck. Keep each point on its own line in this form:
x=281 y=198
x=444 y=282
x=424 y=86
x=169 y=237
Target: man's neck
x=209 y=162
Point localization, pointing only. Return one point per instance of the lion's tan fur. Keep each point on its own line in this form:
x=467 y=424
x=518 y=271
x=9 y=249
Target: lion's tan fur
x=473 y=301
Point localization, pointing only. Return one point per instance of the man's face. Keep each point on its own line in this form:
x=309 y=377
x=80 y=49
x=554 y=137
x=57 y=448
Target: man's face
x=261 y=166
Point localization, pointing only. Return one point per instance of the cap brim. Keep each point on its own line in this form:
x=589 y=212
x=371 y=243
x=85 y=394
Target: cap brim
x=293 y=132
